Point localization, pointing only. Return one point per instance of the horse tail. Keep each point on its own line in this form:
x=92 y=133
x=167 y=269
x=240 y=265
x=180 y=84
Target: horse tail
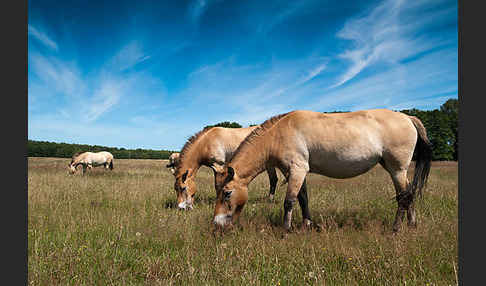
x=423 y=158
x=111 y=164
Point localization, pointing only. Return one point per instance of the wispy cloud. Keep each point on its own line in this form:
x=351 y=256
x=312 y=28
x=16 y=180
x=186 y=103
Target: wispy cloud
x=149 y=85
x=292 y=8
x=381 y=36
x=91 y=95
x=61 y=76
x=197 y=8
x=250 y=93
x=401 y=86
x=104 y=98
x=128 y=56
x=42 y=37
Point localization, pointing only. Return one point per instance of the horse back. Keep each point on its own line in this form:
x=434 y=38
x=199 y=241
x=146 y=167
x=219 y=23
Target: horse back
x=221 y=143
x=354 y=141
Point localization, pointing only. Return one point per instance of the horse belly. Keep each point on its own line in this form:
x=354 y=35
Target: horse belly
x=343 y=164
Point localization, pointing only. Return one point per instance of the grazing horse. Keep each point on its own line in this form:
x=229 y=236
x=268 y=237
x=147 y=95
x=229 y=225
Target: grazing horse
x=339 y=145
x=173 y=162
x=90 y=160
x=211 y=147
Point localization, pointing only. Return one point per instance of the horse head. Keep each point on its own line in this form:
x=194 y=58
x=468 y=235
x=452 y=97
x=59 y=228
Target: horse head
x=185 y=188
x=231 y=198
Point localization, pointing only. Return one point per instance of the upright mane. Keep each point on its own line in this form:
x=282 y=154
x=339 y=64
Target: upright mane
x=260 y=130
x=189 y=143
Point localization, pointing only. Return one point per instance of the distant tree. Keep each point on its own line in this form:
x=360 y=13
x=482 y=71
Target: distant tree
x=226 y=124
x=451 y=109
x=442 y=129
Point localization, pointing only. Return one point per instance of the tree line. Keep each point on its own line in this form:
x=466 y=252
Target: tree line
x=66 y=150
x=441 y=125
x=442 y=128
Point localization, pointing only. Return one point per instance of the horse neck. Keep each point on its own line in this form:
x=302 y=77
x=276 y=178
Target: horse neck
x=77 y=160
x=191 y=160
x=251 y=159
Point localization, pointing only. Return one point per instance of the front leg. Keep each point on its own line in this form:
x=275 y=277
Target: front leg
x=304 y=205
x=296 y=180
x=272 y=177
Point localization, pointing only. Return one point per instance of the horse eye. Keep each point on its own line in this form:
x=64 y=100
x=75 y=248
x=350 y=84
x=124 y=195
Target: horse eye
x=227 y=195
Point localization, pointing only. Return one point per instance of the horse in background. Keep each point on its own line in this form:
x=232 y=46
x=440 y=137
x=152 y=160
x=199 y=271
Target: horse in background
x=89 y=160
x=339 y=145
x=173 y=162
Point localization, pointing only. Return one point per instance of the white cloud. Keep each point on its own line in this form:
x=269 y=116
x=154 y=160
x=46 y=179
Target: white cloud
x=128 y=56
x=42 y=37
x=104 y=99
x=382 y=36
x=60 y=76
x=279 y=17
x=419 y=80
x=88 y=97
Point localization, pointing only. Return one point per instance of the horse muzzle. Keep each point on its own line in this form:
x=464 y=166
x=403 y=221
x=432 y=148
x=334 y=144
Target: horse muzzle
x=185 y=206
x=222 y=220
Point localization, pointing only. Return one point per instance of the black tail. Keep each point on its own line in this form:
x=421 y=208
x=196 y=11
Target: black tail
x=111 y=164
x=423 y=158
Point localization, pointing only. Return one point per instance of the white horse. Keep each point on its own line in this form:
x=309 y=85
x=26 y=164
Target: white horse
x=173 y=162
x=90 y=160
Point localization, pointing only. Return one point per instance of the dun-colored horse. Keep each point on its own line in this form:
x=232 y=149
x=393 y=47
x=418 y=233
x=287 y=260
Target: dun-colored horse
x=173 y=162
x=90 y=160
x=340 y=145
x=211 y=147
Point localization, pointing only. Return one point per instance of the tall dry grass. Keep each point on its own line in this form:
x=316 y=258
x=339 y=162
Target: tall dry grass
x=122 y=228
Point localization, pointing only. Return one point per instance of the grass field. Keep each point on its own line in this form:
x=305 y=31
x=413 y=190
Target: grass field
x=122 y=228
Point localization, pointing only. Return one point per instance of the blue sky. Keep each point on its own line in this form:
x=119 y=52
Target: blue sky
x=149 y=74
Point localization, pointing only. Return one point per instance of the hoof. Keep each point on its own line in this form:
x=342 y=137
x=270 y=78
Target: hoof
x=307 y=224
x=412 y=224
x=396 y=229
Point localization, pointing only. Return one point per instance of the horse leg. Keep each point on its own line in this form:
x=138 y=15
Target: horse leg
x=412 y=221
x=84 y=168
x=296 y=179
x=272 y=177
x=404 y=199
x=304 y=204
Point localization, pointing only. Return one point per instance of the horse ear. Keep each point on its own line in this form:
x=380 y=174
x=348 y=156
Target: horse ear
x=184 y=176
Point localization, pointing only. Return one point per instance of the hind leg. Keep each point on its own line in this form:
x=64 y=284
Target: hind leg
x=412 y=221
x=404 y=199
x=272 y=177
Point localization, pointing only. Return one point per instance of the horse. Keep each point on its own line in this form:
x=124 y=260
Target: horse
x=90 y=160
x=211 y=147
x=173 y=162
x=337 y=145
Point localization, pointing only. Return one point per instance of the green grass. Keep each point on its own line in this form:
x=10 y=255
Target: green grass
x=121 y=228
